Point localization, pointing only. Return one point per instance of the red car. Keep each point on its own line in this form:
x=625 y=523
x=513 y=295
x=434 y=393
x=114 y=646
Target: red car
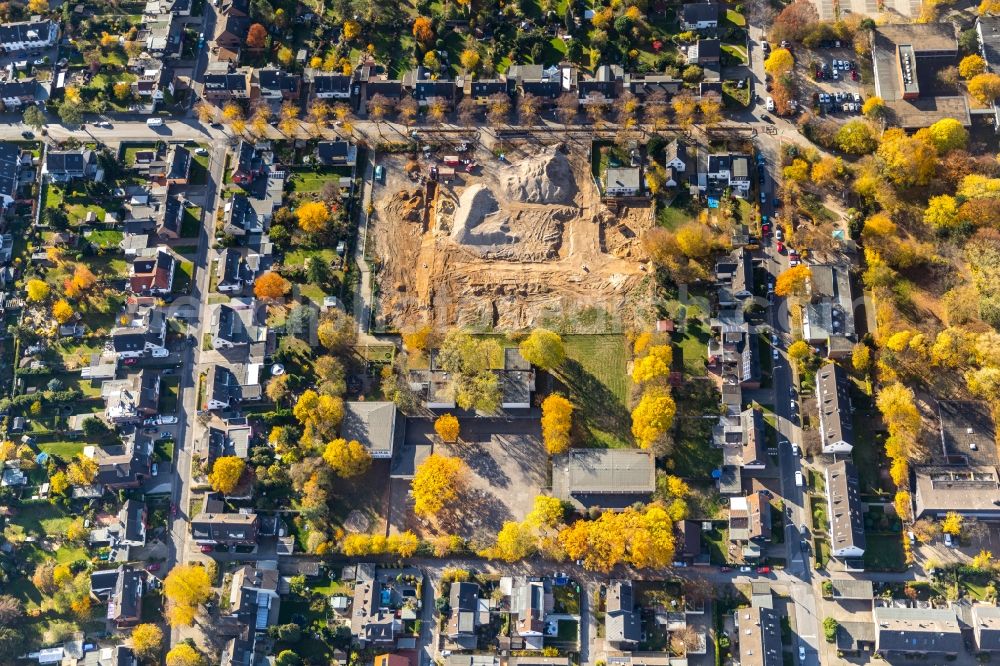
x=724 y=569
x=765 y=228
x=206 y=548
x=780 y=246
x=155 y=566
x=763 y=570
x=131 y=361
x=173 y=510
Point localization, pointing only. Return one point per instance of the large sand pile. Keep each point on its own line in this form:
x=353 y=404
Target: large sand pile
x=478 y=220
x=544 y=179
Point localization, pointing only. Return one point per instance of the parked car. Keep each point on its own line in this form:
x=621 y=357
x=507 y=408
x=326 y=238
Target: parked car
x=153 y=566
x=154 y=470
x=168 y=420
x=769 y=103
x=779 y=233
x=28 y=135
x=802 y=654
x=746 y=569
x=166 y=435
x=796 y=451
x=725 y=569
x=130 y=361
x=780 y=247
x=763 y=570
x=794 y=259
x=206 y=548
x=798 y=480
x=949 y=541
x=774 y=353
x=201 y=151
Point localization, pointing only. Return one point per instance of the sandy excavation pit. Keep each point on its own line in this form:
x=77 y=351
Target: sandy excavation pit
x=506 y=246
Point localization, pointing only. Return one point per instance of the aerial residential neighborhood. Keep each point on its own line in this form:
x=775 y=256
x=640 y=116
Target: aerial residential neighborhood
x=480 y=333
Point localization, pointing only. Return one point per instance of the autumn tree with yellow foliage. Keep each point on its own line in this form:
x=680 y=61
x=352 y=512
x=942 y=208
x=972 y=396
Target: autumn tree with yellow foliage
x=447 y=427
x=313 y=217
x=792 y=281
x=557 y=415
x=347 y=459
x=186 y=587
x=642 y=539
x=654 y=365
x=437 y=483
x=543 y=348
x=653 y=416
x=226 y=474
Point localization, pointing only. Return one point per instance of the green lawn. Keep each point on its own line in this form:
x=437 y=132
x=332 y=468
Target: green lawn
x=62 y=449
x=191 y=222
x=692 y=457
x=884 y=552
x=297 y=258
x=594 y=378
x=77 y=205
x=199 y=166
x=822 y=548
x=819 y=513
x=69 y=380
x=182 y=278
x=735 y=18
x=738 y=53
x=717 y=540
x=312 y=181
x=691 y=342
x=567 y=631
x=169 y=387
x=41 y=519
x=677 y=213
x=108 y=238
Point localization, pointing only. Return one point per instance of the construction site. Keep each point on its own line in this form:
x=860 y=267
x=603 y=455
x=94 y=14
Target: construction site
x=509 y=243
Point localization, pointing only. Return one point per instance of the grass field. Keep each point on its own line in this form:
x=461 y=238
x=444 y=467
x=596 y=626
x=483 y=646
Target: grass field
x=883 y=552
x=191 y=222
x=312 y=182
x=41 y=519
x=297 y=258
x=692 y=343
x=822 y=547
x=106 y=238
x=63 y=449
x=169 y=387
x=593 y=376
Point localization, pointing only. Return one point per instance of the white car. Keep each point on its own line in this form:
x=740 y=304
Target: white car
x=774 y=352
x=201 y=151
x=798 y=479
x=167 y=420
x=154 y=469
x=795 y=450
x=769 y=104
x=948 y=541
x=802 y=654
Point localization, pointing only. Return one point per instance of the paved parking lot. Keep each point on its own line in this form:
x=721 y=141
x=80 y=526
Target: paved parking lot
x=812 y=60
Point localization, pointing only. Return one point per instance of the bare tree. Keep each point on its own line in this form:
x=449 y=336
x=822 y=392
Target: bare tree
x=567 y=107
x=527 y=109
x=437 y=110
x=596 y=109
x=499 y=108
x=655 y=109
x=379 y=107
x=408 y=108
x=468 y=112
x=684 y=639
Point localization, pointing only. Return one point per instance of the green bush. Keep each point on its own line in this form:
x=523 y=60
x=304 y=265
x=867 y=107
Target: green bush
x=830 y=626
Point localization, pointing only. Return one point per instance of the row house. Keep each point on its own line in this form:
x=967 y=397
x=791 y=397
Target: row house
x=15 y=94
x=227 y=86
x=278 y=85
x=28 y=35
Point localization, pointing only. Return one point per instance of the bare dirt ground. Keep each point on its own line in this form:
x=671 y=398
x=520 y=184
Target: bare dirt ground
x=507 y=246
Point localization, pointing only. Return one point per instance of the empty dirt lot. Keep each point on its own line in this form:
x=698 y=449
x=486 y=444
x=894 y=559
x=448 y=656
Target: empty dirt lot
x=505 y=247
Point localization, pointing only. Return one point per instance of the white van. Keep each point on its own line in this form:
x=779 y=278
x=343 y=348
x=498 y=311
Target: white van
x=798 y=479
x=154 y=122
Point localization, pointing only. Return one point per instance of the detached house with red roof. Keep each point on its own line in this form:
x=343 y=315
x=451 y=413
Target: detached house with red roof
x=152 y=274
